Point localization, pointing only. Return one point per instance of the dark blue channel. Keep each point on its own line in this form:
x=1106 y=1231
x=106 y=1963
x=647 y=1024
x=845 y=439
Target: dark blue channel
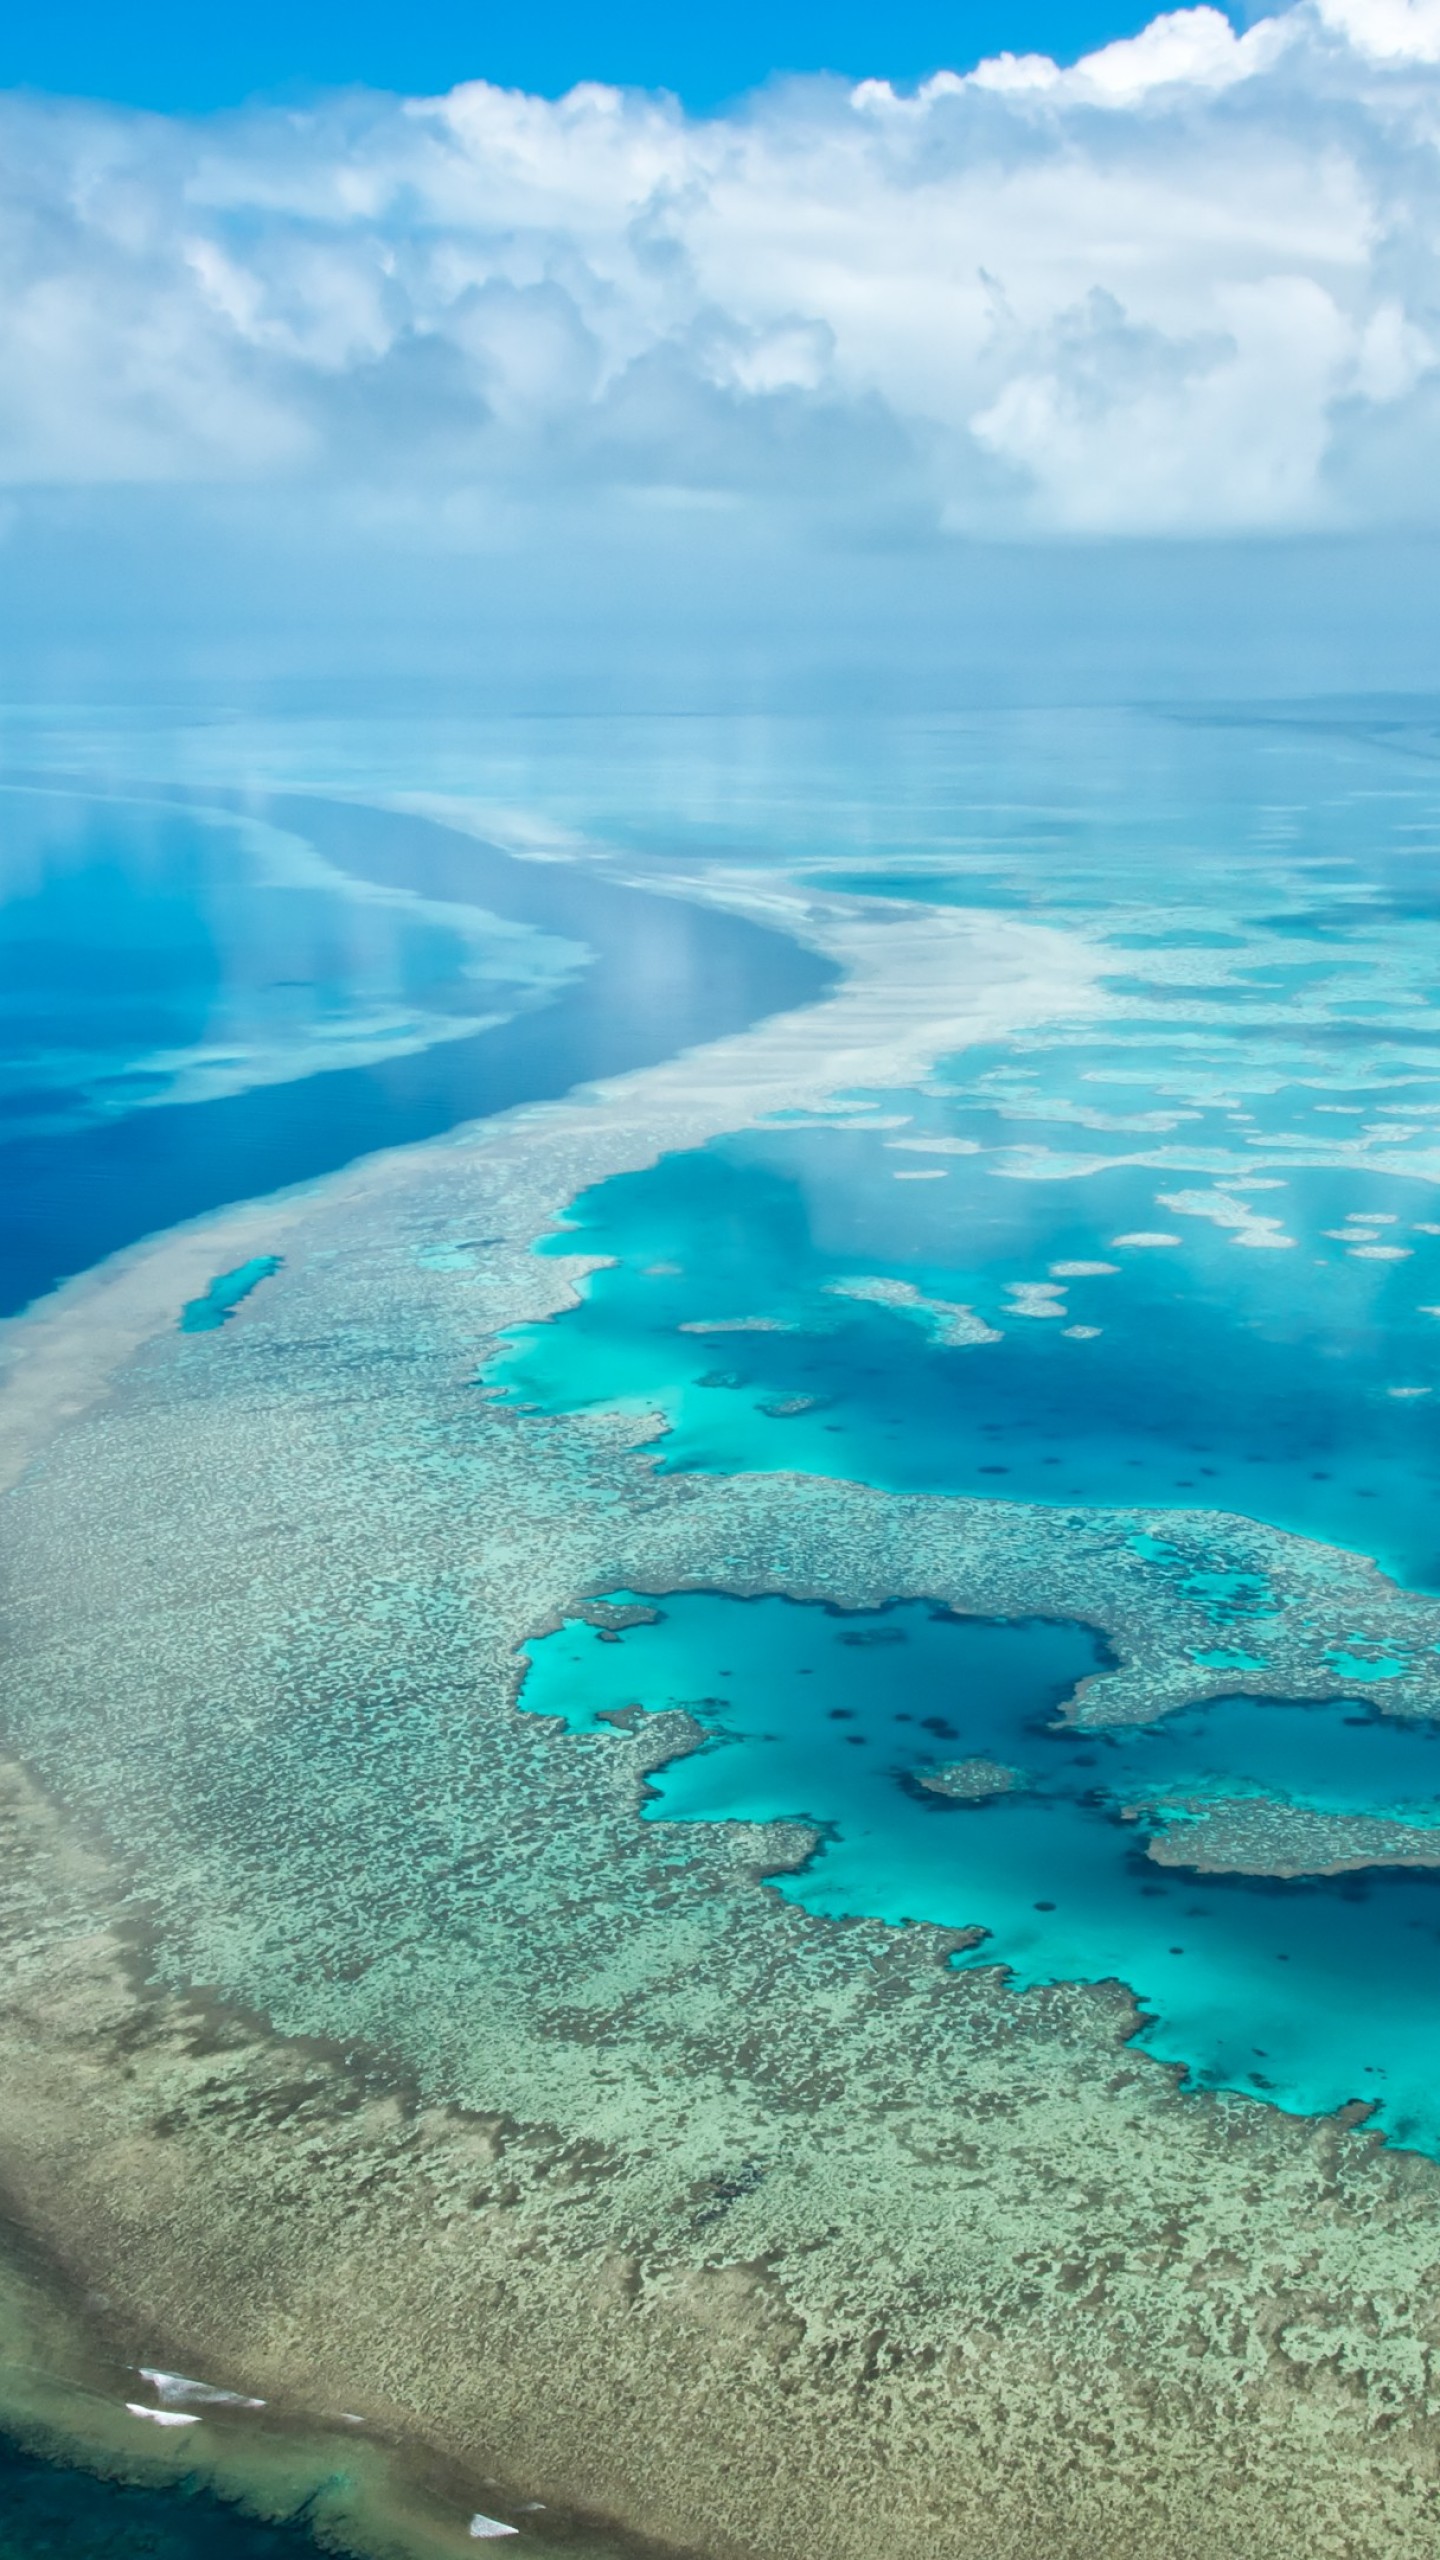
x=663 y=975
x=50 y=2507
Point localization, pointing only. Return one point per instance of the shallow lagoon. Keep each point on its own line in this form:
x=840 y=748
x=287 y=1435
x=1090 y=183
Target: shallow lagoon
x=1312 y=1993
x=1296 y=1385
x=1183 y=1252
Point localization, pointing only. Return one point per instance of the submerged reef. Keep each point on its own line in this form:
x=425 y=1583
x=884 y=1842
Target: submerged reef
x=1256 y=1836
x=971 y=1781
x=811 y=2227
x=951 y=1325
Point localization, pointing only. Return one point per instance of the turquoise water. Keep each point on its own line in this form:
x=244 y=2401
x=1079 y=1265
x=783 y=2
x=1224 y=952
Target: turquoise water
x=1177 y=1245
x=226 y=1292
x=1311 y=1993
x=1297 y=1385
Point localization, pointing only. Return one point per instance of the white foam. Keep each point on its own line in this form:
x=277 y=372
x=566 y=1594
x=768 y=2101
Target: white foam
x=173 y=2390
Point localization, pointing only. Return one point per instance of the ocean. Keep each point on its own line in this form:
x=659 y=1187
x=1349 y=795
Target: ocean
x=1161 y=1241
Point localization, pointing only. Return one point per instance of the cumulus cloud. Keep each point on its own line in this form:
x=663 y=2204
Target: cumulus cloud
x=1190 y=284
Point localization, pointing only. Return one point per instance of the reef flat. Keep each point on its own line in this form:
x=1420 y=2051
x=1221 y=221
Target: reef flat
x=747 y=2226
x=379 y=2056
x=1249 y=1835
x=971 y=1781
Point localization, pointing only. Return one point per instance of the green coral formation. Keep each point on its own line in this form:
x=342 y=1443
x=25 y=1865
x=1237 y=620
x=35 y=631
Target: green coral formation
x=824 y=2232
x=1263 y=1836
x=972 y=1781
x=295 y=1565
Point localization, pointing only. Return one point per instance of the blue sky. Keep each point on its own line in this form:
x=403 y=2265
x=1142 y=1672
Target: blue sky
x=171 y=55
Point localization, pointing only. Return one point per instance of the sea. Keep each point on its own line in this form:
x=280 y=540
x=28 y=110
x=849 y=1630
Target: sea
x=1178 y=1247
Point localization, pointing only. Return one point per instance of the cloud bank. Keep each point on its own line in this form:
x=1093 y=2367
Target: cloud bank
x=1190 y=286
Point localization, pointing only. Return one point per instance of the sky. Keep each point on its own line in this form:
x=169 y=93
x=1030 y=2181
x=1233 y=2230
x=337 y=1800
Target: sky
x=481 y=343
x=167 y=54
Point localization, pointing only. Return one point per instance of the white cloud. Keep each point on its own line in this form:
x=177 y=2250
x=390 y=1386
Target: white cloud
x=1388 y=30
x=1190 y=284
x=1195 y=48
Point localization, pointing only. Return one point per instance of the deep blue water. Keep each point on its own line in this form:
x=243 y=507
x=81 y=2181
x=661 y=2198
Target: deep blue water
x=131 y=933
x=48 y=2507
x=1310 y=1992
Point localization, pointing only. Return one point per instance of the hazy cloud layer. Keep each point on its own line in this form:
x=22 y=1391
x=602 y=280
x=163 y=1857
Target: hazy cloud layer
x=1190 y=285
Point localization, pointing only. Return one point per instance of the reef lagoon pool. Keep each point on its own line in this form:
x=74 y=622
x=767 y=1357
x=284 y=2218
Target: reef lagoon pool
x=929 y=1753
x=1028 y=1324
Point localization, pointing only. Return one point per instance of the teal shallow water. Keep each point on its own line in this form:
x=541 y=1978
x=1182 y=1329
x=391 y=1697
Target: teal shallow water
x=1311 y=1993
x=1297 y=1385
x=1183 y=1251
x=227 y=1291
